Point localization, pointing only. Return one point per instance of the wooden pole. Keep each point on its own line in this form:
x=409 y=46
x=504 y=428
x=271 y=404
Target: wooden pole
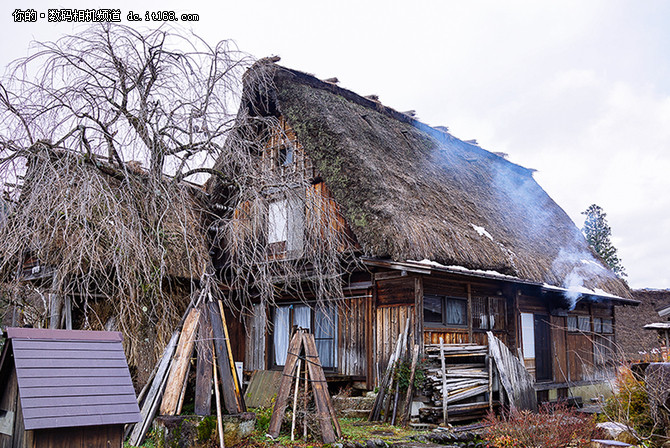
x=445 y=392
x=410 y=387
x=295 y=400
x=219 y=420
x=236 y=380
x=304 y=401
x=489 y=363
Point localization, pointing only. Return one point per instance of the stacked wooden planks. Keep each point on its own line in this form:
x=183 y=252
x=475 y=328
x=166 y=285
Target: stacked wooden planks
x=464 y=378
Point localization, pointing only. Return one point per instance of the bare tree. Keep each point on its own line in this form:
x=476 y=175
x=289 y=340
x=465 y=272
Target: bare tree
x=99 y=134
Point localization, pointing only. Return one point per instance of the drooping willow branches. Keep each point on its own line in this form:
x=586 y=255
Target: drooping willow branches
x=105 y=138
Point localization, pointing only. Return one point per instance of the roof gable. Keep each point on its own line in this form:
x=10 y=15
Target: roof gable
x=72 y=378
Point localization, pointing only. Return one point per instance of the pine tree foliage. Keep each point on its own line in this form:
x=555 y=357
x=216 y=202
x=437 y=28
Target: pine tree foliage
x=598 y=234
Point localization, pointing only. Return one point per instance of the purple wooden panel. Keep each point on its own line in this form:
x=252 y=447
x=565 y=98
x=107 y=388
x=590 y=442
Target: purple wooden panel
x=78 y=381
x=42 y=402
x=82 y=411
x=72 y=378
x=92 y=420
x=63 y=335
x=50 y=391
x=68 y=354
x=68 y=363
x=59 y=345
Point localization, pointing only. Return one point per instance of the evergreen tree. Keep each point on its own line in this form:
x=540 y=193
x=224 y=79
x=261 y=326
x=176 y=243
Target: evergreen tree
x=598 y=233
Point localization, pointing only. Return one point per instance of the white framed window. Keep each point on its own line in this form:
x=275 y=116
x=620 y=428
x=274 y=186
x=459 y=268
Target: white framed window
x=528 y=335
x=321 y=321
x=278 y=221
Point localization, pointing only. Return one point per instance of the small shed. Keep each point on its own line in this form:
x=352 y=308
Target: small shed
x=64 y=388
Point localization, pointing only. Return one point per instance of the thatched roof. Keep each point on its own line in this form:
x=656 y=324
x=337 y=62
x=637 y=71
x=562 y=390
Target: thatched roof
x=412 y=192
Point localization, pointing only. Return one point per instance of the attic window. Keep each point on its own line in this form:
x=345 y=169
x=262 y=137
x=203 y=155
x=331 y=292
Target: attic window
x=285 y=227
x=277 y=222
x=285 y=155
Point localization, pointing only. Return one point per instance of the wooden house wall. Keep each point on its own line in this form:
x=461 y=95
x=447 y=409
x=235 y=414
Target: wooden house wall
x=559 y=334
x=469 y=291
x=8 y=404
x=572 y=352
x=236 y=334
x=10 y=401
x=354 y=330
x=108 y=436
x=395 y=296
x=255 y=357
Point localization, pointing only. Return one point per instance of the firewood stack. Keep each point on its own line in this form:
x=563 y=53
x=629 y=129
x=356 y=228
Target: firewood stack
x=468 y=382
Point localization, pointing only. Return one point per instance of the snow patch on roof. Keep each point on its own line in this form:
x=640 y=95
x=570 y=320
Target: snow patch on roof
x=482 y=231
x=463 y=269
x=581 y=290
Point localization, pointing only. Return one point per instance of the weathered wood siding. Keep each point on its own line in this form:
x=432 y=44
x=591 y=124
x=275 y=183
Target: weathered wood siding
x=560 y=366
x=352 y=336
x=390 y=323
x=109 y=436
x=255 y=348
x=8 y=403
x=236 y=334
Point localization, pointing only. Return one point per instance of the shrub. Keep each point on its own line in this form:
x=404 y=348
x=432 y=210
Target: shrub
x=552 y=427
x=630 y=404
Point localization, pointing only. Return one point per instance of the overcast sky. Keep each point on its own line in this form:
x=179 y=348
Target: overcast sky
x=578 y=90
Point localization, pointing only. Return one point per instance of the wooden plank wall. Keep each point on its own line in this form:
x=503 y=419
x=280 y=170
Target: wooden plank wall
x=8 y=402
x=390 y=322
x=85 y=436
x=237 y=335
x=255 y=350
x=351 y=334
x=560 y=366
x=580 y=356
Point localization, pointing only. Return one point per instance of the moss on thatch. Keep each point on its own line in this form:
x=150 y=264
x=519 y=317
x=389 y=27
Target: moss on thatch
x=411 y=192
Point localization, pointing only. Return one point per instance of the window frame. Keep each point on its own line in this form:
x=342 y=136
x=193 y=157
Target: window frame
x=443 y=322
x=488 y=305
x=312 y=329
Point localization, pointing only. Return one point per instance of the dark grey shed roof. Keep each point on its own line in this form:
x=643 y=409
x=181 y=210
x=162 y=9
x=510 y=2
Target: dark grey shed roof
x=72 y=378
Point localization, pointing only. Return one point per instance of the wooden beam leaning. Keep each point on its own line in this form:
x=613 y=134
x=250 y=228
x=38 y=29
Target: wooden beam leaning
x=203 y=378
x=238 y=388
x=410 y=387
x=219 y=419
x=182 y=357
x=153 y=396
x=285 y=384
x=230 y=399
x=445 y=391
x=388 y=375
x=325 y=412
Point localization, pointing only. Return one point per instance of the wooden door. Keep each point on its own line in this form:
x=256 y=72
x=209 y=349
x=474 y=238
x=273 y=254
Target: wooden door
x=543 y=358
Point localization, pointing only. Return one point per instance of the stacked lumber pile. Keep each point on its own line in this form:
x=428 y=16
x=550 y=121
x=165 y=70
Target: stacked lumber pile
x=462 y=373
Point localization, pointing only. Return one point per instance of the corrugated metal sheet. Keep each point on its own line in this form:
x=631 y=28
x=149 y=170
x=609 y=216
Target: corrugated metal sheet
x=72 y=378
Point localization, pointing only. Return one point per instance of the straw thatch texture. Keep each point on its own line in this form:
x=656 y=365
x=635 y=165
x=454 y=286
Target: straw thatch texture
x=411 y=192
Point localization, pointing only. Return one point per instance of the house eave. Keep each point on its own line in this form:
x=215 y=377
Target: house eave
x=427 y=268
